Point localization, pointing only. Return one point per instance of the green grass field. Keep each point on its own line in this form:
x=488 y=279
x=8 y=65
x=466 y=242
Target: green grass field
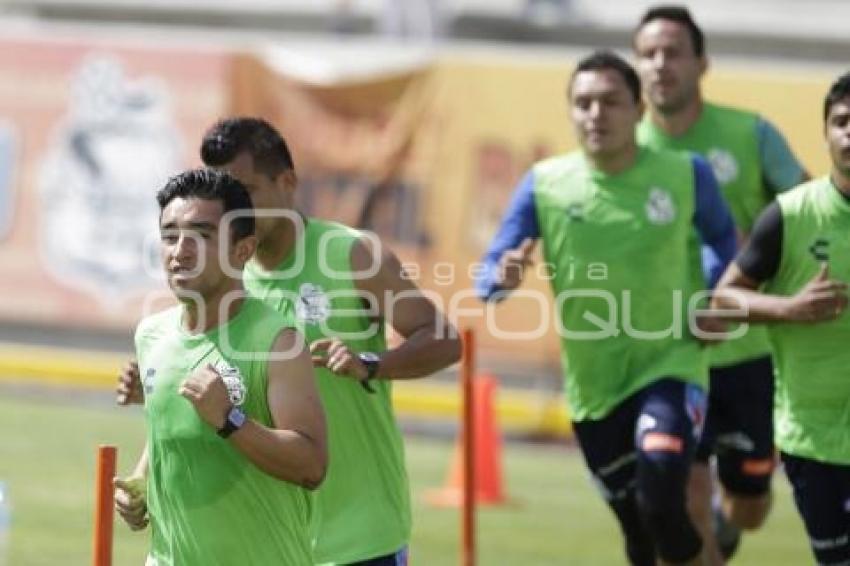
x=47 y=457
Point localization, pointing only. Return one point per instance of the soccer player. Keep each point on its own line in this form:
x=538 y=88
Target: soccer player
x=236 y=432
x=799 y=256
x=752 y=162
x=340 y=289
x=615 y=220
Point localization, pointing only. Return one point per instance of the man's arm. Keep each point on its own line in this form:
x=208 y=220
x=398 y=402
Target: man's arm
x=781 y=170
x=737 y=292
x=294 y=449
x=511 y=248
x=431 y=342
x=713 y=221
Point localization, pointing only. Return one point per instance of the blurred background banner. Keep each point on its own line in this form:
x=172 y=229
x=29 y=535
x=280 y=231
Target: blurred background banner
x=425 y=152
x=98 y=126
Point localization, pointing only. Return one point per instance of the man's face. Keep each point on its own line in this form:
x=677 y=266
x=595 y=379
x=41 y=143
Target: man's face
x=604 y=112
x=267 y=194
x=189 y=246
x=838 y=136
x=668 y=67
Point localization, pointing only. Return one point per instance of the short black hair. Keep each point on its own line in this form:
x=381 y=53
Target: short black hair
x=229 y=138
x=839 y=90
x=609 y=60
x=208 y=184
x=680 y=15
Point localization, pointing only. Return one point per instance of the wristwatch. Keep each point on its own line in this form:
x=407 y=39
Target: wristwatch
x=232 y=422
x=371 y=360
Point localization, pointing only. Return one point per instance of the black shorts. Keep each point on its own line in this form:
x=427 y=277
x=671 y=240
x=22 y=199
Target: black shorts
x=666 y=415
x=739 y=426
x=822 y=496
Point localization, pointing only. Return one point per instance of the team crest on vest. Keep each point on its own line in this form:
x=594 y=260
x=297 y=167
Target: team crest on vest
x=148 y=379
x=233 y=381
x=660 y=208
x=723 y=164
x=313 y=304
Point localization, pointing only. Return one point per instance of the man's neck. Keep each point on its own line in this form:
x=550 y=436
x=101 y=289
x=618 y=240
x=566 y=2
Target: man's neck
x=214 y=310
x=841 y=181
x=277 y=244
x=676 y=123
x=616 y=163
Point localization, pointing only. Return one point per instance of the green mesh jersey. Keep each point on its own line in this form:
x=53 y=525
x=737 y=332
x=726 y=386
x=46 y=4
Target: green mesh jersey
x=363 y=506
x=209 y=504
x=728 y=139
x=617 y=246
x=812 y=404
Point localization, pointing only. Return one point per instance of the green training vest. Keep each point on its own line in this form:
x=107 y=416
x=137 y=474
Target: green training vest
x=209 y=505
x=617 y=246
x=812 y=403
x=363 y=506
x=728 y=139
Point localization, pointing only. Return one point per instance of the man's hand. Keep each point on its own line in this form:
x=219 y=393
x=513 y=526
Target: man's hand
x=333 y=354
x=206 y=390
x=131 y=501
x=710 y=329
x=822 y=299
x=129 y=390
x=513 y=263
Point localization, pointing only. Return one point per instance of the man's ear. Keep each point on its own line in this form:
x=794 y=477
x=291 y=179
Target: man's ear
x=287 y=180
x=244 y=249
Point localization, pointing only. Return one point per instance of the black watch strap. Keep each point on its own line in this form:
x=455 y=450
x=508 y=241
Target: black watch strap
x=372 y=362
x=233 y=421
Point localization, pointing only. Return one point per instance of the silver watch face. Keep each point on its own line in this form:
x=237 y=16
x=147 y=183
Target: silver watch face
x=370 y=357
x=236 y=417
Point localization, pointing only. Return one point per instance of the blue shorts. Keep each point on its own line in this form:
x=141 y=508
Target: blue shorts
x=739 y=426
x=822 y=496
x=666 y=416
x=395 y=559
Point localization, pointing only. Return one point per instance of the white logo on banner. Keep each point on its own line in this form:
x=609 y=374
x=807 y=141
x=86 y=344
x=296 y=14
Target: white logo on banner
x=111 y=152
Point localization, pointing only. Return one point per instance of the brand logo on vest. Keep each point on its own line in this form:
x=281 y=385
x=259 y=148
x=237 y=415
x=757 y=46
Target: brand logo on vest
x=820 y=249
x=575 y=212
x=660 y=208
x=724 y=165
x=233 y=381
x=313 y=304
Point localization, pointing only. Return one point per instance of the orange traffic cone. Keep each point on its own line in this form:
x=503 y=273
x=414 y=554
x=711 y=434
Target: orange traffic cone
x=488 y=453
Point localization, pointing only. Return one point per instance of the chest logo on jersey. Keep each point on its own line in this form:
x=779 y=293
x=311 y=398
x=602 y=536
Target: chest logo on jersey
x=660 y=208
x=313 y=305
x=723 y=164
x=232 y=378
x=147 y=380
